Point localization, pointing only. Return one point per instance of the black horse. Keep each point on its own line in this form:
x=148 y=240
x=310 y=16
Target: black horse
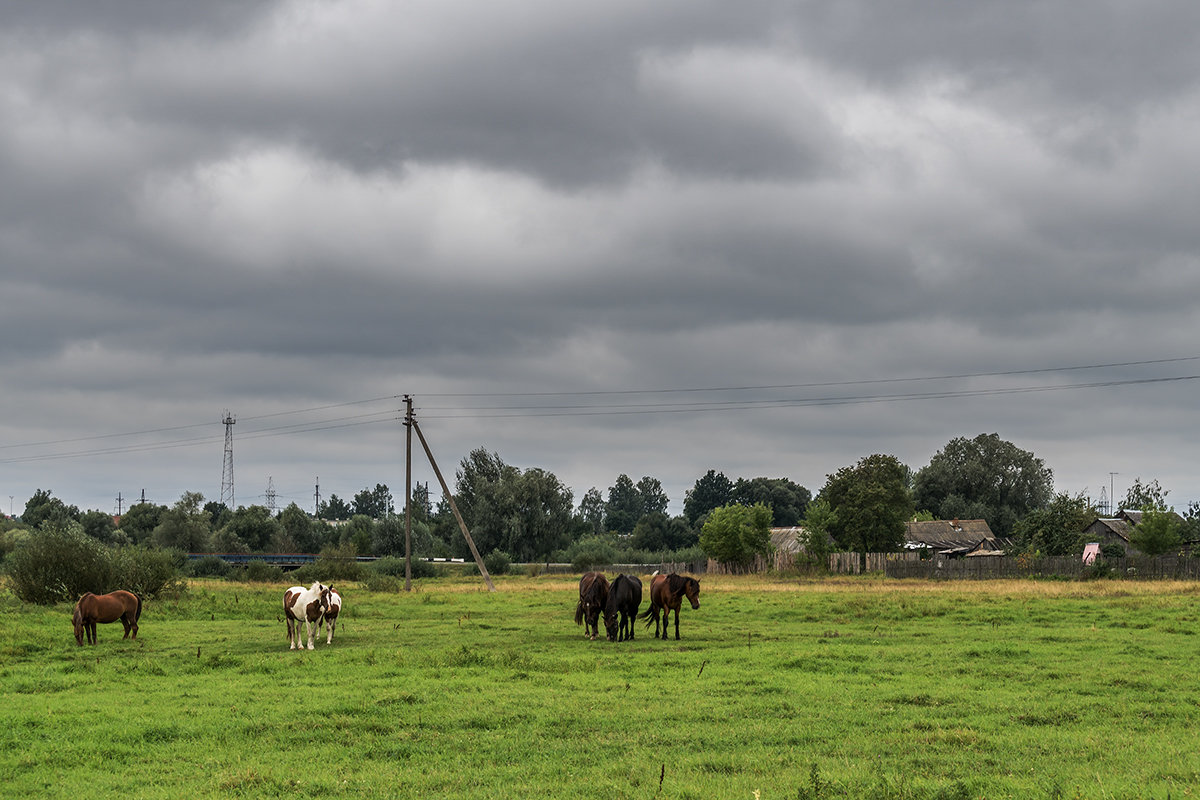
x=624 y=597
x=666 y=595
x=593 y=594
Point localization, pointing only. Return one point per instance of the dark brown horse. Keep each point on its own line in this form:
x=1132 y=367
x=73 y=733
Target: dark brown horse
x=93 y=608
x=666 y=595
x=593 y=594
x=624 y=597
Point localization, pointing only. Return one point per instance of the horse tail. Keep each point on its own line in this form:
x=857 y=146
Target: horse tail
x=579 y=612
x=138 y=613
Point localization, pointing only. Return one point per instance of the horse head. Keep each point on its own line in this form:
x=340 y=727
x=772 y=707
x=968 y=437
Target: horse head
x=691 y=589
x=77 y=621
x=611 y=624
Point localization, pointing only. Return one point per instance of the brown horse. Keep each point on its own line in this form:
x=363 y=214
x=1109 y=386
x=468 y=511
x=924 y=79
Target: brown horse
x=93 y=608
x=593 y=594
x=666 y=595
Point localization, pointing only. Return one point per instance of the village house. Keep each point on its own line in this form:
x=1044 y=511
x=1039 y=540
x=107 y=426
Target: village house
x=965 y=538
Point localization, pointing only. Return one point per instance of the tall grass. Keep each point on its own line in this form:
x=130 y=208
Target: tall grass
x=838 y=688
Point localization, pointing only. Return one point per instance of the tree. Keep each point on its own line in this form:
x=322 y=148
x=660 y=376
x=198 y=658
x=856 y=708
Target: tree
x=100 y=526
x=358 y=534
x=1144 y=497
x=787 y=500
x=654 y=499
x=591 y=509
x=1158 y=532
x=983 y=478
x=735 y=534
x=870 y=503
x=254 y=526
x=1057 y=529
x=184 y=526
x=334 y=508
x=140 y=520
x=819 y=520
x=624 y=507
x=296 y=532
x=43 y=507
x=524 y=514
x=422 y=507
x=712 y=490
x=374 y=503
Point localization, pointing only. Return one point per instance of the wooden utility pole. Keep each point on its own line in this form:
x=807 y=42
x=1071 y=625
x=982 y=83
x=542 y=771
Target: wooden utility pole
x=408 y=423
x=453 y=507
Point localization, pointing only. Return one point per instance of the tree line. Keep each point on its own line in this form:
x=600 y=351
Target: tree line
x=529 y=515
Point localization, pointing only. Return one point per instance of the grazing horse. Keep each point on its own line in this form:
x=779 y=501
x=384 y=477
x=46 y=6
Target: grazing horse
x=666 y=595
x=331 y=614
x=93 y=608
x=593 y=594
x=304 y=604
x=624 y=597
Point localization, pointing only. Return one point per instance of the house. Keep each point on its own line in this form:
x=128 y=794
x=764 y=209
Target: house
x=1116 y=530
x=955 y=538
x=1110 y=531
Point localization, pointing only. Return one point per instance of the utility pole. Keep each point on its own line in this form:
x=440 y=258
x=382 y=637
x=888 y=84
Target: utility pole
x=1112 y=498
x=119 y=501
x=227 y=469
x=453 y=506
x=317 y=499
x=408 y=426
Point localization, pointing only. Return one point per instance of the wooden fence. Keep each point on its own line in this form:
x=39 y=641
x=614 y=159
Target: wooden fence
x=851 y=564
x=989 y=567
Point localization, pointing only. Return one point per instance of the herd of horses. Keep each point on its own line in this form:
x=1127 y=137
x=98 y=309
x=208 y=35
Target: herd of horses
x=320 y=605
x=618 y=603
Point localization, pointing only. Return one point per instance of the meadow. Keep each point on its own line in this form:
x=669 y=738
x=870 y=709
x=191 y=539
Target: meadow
x=778 y=689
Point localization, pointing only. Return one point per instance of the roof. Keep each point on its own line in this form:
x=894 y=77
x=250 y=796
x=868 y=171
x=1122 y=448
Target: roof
x=787 y=540
x=1119 y=528
x=946 y=534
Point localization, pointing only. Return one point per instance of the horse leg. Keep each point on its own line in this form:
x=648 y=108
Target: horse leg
x=127 y=623
x=310 y=629
x=91 y=631
x=331 y=624
x=677 y=624
x=293 y=627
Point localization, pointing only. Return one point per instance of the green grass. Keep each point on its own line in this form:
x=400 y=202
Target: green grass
x=837 y=688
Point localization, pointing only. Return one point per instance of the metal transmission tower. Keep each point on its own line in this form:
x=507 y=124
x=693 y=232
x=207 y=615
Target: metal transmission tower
x=227 y=470
x=271 y=495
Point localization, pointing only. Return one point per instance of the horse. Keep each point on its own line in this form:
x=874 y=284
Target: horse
x=331 y=614
x=593 y=594
x=666 y=595
x=93 y=608
x=624 y=597
x=304 y=604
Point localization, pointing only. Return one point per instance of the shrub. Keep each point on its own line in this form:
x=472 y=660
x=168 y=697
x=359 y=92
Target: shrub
x=497 y=562
x=1111 y=551
x=147 y=572
x=390 y=565
x=59 y=563
x=592 y=552
x=379 y=582
x=261 y=572
x=209 y=567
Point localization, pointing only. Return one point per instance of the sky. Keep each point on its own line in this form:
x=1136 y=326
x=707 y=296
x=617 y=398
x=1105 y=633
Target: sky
x=764 y=238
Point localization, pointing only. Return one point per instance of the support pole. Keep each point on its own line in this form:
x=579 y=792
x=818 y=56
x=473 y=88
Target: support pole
x=408 y=424
x=453 y=507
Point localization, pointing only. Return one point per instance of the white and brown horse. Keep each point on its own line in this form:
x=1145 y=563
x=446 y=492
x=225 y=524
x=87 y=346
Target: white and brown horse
x=308 y=605
x=93 y=608
x=331 y=614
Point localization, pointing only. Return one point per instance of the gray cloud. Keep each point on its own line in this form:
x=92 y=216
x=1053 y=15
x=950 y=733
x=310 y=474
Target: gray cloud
x=295 y=205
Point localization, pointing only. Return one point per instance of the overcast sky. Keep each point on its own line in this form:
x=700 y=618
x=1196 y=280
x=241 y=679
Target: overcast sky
x=766 y=238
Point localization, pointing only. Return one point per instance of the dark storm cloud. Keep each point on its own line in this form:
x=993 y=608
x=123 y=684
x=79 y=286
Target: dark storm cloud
x=277 y=206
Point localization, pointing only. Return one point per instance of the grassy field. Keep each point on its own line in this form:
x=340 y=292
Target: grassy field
x=778 y=689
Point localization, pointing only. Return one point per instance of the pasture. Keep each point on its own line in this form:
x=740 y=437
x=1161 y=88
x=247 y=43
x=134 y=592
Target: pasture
x=778 y=689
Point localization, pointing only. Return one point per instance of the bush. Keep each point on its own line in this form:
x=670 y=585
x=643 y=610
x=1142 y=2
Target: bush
x=57 y=564
x=390 y=565
x=592 y=552
x=379 y=582
x=497 y=562
x=209 y=567
x=147 y=572
x=261 y=572
x=1112 y=551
